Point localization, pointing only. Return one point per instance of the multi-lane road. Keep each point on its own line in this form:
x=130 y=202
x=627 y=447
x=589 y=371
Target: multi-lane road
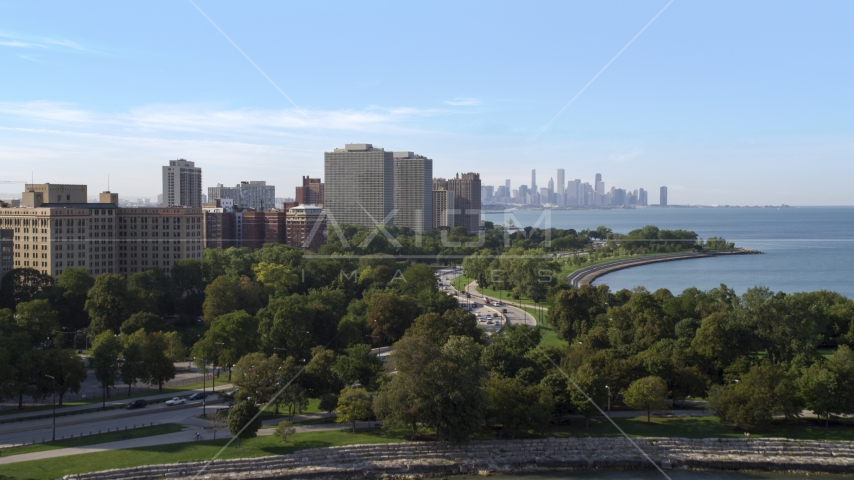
x=513 y=315
x=27 y=431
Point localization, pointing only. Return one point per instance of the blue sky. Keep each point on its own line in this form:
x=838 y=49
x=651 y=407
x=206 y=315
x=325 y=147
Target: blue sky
x=723 y=102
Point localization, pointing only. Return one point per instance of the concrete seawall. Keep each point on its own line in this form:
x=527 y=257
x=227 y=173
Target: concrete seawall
x=586 y=275
x=421 y=459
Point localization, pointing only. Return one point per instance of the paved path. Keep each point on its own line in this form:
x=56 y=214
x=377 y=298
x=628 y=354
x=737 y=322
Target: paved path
x=187 y=435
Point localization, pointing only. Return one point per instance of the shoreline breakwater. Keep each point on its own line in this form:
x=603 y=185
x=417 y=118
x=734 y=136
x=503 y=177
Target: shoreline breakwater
x=427 y=459
x=586 y=275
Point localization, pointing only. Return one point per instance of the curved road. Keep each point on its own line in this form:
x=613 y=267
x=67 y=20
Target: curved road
x=514 y=315
x=587 y=275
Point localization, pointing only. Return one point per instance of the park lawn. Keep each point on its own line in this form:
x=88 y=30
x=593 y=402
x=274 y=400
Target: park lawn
x=548 y=336
x=460 y=282
x=312 y=421
x=569 y=268
x=312 y=407
x=94 y=439
x=507 y=296
x=193 y=451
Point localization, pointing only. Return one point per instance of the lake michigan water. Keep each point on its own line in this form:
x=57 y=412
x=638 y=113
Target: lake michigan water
x=806 y=248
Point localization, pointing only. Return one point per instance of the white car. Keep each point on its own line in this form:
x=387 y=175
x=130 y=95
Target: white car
x=176 y=401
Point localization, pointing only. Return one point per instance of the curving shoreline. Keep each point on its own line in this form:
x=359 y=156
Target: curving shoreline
x=586 y=275
x=426 y=459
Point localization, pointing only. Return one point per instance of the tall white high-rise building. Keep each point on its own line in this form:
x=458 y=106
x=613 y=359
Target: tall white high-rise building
x=413 y=191
x=359 y=186
x=182 y=184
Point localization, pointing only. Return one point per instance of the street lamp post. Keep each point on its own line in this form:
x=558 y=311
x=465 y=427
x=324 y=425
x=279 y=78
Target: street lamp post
x=204 y=385
x=609 y=397
x=54 y=406
x=213 y=375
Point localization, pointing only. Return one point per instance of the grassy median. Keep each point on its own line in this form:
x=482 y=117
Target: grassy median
x=95 y=439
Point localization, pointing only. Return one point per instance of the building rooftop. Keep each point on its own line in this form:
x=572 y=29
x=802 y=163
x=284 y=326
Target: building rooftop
x=307 y=208
x=358 y=147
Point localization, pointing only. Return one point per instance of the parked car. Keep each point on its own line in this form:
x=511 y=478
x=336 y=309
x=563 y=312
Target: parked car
x=197 y=396
x=138 y=403
x=176 y=401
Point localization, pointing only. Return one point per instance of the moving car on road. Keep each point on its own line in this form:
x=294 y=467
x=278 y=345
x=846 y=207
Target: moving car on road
x=197 y=396
x=503 y=310
x=176 y=401
x=138 y=403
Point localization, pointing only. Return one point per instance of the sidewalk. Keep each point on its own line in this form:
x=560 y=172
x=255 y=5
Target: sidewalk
x=97 y=405
x=185 y=436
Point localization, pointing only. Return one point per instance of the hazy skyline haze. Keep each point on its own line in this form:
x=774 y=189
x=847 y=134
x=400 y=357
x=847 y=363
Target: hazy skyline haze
x=724 y=103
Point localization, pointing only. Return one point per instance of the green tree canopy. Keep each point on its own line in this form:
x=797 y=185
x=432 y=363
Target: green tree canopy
x=244 y=421
x=648 y=393
x=354 y=404
x=107 y=303
x=147 y=321
x=220 y=298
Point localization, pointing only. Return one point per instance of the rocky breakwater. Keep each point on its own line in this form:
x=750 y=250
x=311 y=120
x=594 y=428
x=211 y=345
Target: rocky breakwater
x=417 y=459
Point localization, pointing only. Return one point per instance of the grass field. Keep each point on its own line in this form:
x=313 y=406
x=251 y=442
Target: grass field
x=191 y=451
x=313 y=407
x=94 y=439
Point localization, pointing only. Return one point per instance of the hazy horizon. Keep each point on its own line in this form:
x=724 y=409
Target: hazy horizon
x=724 y=103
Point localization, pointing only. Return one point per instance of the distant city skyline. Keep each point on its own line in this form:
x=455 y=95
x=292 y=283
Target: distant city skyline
x=747 y=109
x=571 y=193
